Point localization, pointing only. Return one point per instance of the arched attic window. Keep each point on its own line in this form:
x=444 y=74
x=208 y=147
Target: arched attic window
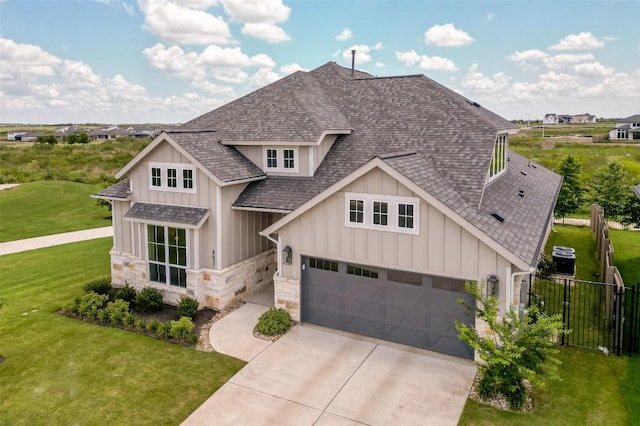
x=499 y=158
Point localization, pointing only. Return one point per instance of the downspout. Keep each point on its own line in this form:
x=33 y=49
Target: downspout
x=278 y=252
x=512 y=282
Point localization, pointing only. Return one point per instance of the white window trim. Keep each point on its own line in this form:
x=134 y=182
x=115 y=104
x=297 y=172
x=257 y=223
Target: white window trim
x=280 y=159
x=503 y=147
x=166 y=264
x=392 y=213
x=179 y=177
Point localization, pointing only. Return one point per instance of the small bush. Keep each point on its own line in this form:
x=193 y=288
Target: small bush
x=188 y=307
x=129 y=319
x=273 y=322
x=141 y=325
x=90 y=303
x=181 y=329
x=72 y=308
x=116 y=311
x=164 y=329
x=127 y=293
x=149 y=300
x=100 y=285
x=153 y=325
x=103 y=316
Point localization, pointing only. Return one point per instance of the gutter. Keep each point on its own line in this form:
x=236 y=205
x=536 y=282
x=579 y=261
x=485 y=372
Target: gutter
x=512 y=282
x=278 y=252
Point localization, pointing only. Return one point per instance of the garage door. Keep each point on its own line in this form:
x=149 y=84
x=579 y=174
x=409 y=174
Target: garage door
x=404 y=307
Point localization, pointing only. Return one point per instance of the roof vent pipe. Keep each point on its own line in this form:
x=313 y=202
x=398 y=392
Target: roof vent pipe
x=353 y=61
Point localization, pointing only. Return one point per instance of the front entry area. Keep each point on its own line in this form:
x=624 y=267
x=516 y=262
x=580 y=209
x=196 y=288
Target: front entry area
x=404 y=307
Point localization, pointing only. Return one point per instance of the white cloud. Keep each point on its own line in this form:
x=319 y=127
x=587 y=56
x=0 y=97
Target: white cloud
x=447 y=36
x=433 y=63
x=379 y=65
x=263 y=76
x=174 y=60
x=581 y=41
x=593 y=69
x=362 y=54
x=478 y=83
x=377 y=46
x=259 y=17
x=291 y=68
x=184 y=23
x=489 y=16
x=344 y=35
x=527 y=55
x=269 y=32
x=129 y=9
x=565 y=59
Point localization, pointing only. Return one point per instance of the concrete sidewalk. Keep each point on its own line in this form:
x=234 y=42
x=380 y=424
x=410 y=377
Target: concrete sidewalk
x=54 y=240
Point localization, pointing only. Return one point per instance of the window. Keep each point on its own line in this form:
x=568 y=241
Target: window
x=622 y=134
x=356 y=211
x=405 y=215
x=499 y=158
x=279 y=159
x=172 y=180
x=362 y=272
x=187 y=179
x=167 y=251
x=324 y=264
x=156 y=176
x=272 y=158
x=288 y=159
x=179 y=177
x=382 y=212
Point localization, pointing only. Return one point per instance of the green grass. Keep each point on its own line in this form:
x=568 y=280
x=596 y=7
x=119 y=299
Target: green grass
x=49 y=207
x=583 y=241
x=590 y=393
x=59 y=370
x=626 y=246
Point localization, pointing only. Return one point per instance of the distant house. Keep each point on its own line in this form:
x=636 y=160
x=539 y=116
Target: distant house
x=584 y=118
x=550 y=119
x=111 y=132
x=626 y=129
x=360 y=199
x=143 y=132
x=21 y=136
x=568 y=119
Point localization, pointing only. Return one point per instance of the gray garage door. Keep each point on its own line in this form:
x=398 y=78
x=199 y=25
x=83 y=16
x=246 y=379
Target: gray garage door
x=404 y=307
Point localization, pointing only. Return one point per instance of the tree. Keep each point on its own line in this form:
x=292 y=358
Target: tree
x=610 y=187
x=50 y=139
x=72 y=138
x=518 y=349
x=571 y=193
x=83 y=138
x=631 y=210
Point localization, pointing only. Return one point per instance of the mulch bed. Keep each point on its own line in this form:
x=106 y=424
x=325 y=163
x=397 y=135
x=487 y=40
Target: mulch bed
x=499 y=401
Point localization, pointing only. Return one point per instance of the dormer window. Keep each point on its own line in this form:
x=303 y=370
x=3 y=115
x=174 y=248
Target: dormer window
x=172 y=177
x=498 y=158
x=283 y=160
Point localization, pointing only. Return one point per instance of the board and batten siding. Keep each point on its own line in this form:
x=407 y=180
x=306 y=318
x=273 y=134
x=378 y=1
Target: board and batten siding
x=121 y=229
x=442 y=247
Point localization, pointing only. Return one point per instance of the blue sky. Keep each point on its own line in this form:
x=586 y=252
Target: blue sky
x=167 y=61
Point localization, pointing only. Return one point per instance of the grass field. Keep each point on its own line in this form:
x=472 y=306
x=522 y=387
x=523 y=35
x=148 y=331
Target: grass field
x=626 y=246
x=582 y=240
x=59 y=370
x=49 y=207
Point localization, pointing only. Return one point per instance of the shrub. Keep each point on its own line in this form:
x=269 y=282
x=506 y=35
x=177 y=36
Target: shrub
x=164 y=329
x=127 y=293
x=72 y=308
x=181 y=329
x=129 y=319
x=518 y=349
x=141 y=325
x=116 y=311
x=149 y=300
x=153 y=325
x=100 y=285
x=89 y=304
x=188 y=307
x=103 y=316
x=274 y=321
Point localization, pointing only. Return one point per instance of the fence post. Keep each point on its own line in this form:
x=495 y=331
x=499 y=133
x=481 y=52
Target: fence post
x=565 y=318
x=618 y=319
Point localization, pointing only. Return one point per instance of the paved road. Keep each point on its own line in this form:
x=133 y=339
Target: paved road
x=54 y=240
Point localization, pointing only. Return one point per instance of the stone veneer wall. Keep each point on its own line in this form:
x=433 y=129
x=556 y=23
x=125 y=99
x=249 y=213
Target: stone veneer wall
x=287 y=295
x=213 y=289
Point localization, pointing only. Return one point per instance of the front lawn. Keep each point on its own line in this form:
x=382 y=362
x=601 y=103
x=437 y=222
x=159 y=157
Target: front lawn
x=58 y=370
x=49 y=207
x=590 y=393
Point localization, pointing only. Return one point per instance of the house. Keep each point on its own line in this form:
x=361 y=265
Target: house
x=108 y=133
x=22 y=136
x=568 y=119
x=584 y=118
x=359 y=198
x=626 y=129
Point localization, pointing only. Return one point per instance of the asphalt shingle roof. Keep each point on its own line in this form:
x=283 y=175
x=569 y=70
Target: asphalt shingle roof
x=120 y=190
x=224 y=162
x=167 y=213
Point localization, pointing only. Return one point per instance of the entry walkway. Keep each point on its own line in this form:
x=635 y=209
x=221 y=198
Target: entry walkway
x=54 y=240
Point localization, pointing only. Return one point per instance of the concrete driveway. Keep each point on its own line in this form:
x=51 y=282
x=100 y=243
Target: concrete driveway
x=315 y=376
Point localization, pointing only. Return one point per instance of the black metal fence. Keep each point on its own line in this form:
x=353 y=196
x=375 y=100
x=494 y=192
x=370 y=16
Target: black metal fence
x=601 y=316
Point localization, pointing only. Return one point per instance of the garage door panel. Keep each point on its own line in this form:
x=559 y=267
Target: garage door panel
x=411 y=314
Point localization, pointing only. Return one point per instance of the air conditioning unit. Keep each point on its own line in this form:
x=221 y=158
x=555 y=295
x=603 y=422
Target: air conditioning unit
x=564 y=259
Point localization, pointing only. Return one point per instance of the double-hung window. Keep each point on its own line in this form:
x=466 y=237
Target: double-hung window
x=167 y=252
x=172 y=177
x=280 y=160
x=382 y=212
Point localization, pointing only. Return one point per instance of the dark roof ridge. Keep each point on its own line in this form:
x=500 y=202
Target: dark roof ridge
x=194 y=131
x=375 y=77
x=396 y=154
